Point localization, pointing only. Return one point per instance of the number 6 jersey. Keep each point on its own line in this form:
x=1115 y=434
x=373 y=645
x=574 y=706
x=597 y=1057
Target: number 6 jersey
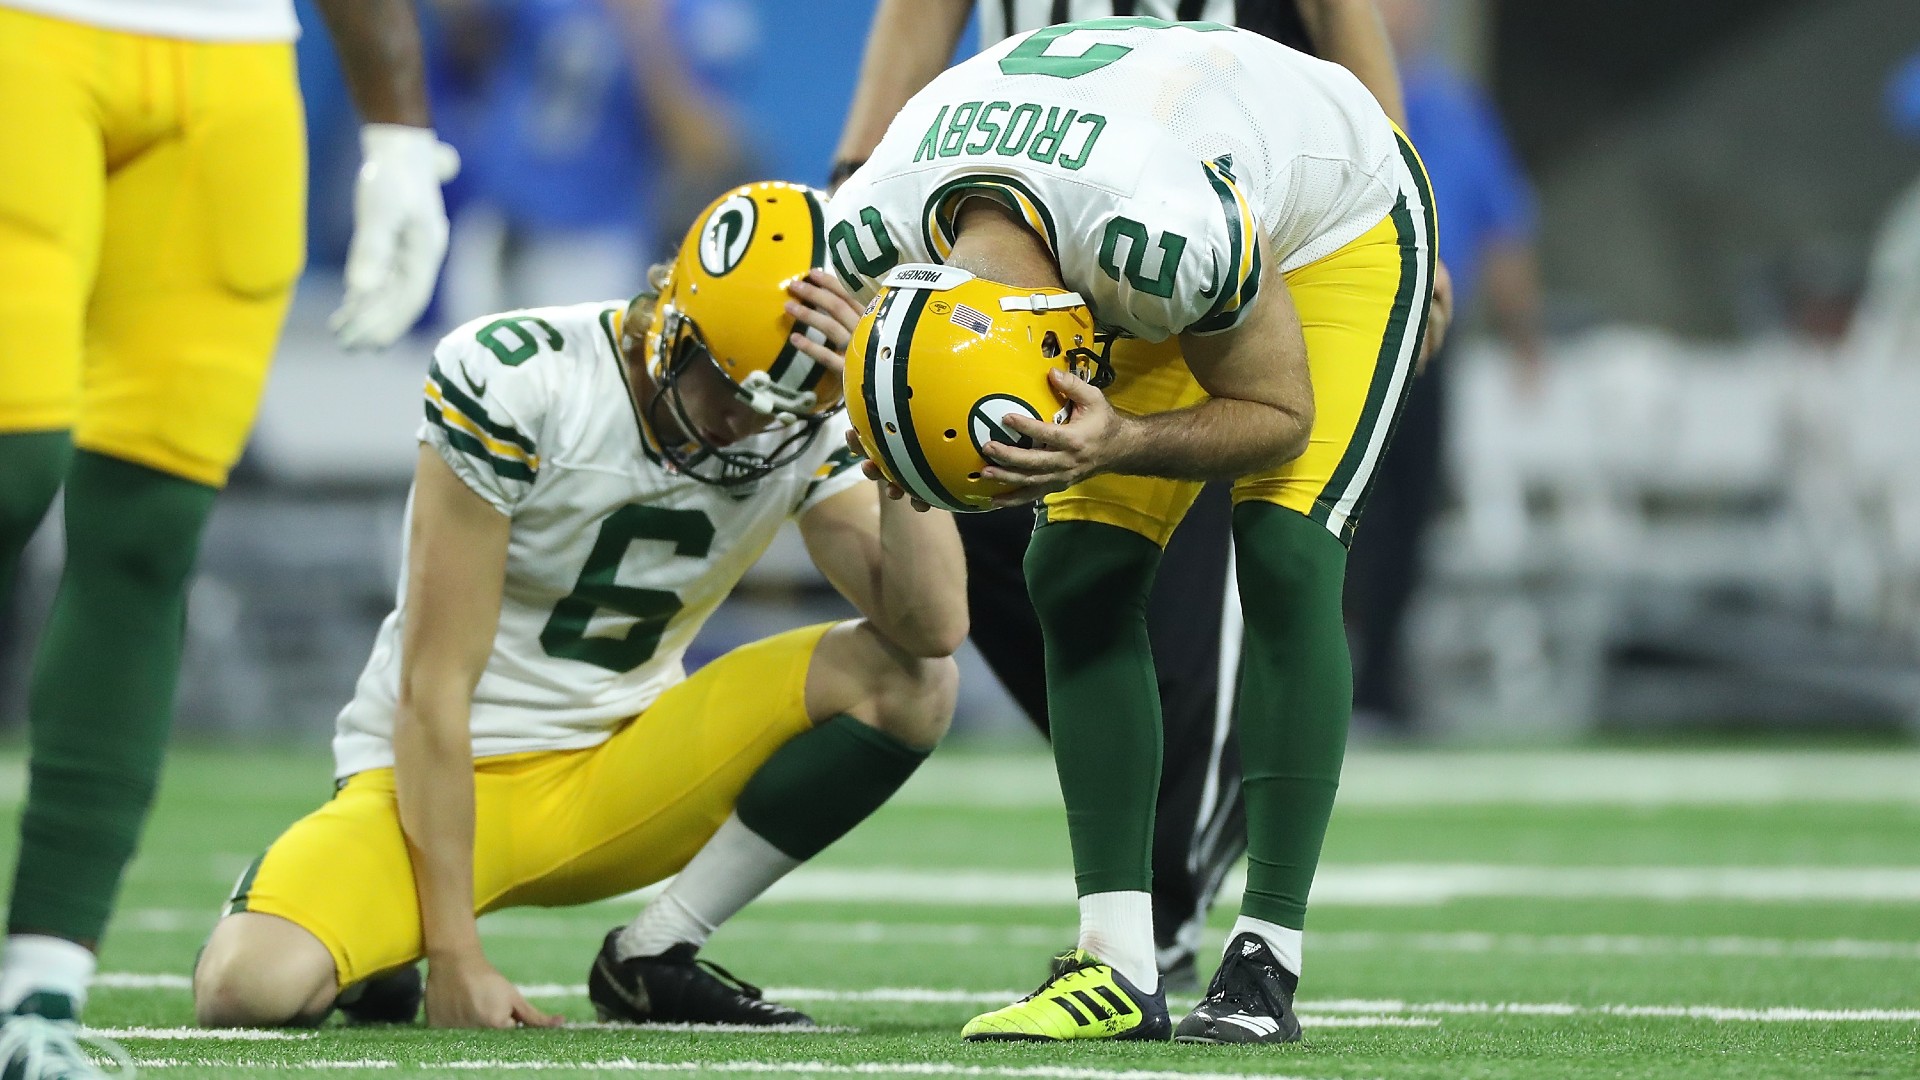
x=613 y=562
x=1147 y=154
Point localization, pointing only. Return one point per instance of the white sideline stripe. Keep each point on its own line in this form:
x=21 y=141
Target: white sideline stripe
x=811 y=1068
x=215 y=1034
x=712 y=1029
x=1392 y=778
x=127 y=980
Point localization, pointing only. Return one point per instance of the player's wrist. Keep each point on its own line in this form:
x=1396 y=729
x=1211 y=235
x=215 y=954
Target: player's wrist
x=415 y=149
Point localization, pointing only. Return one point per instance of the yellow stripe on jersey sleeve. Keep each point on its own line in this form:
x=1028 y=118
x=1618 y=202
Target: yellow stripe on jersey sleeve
x=1242 y=280
x=506 y=451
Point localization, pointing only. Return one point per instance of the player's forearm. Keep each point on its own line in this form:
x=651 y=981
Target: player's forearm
x=379 y=46
x=1218 y=439
x=911 y=42
x=922 y=581
x=433 y=785
x=1349 y=33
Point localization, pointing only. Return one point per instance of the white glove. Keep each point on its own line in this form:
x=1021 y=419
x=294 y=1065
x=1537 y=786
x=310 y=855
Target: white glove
x=399 y=233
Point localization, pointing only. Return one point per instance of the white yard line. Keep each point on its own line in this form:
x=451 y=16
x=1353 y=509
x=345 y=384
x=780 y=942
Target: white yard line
x=214 y=1034
x=1388 y=778
x=804 y=1068
x=1382 y=1007
x=1388 y=884
x=1717 y=1013
x=1618 y=945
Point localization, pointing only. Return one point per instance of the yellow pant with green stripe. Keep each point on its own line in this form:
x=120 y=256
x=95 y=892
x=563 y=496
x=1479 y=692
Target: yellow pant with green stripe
x=152 y=207
x=551 y=828
x=1362 y=311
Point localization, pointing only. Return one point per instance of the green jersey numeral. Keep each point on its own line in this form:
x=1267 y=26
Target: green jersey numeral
x=1030 y=57
x=851 y=260
x=512 y=340
x=565 y=635
x=1172 y=246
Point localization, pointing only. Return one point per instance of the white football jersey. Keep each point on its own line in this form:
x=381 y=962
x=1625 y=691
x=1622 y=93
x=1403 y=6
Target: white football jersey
x=191 y=20
x=614 y=561
x=1148 y=154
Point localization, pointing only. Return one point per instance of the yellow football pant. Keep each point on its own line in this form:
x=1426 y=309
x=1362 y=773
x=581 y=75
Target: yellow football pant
x=551 y=828
x=1363 y=314
x=152 y=207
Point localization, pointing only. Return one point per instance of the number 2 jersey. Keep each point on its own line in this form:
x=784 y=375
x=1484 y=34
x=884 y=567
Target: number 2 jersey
x=1149 y=155
x=613 y=561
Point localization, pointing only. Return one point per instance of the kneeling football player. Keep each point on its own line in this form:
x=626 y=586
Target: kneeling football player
x=592 y=481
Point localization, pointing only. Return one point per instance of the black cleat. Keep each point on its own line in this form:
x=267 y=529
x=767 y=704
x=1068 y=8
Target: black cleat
x=391 y=997
x=676 y=988
x=1249 y=1001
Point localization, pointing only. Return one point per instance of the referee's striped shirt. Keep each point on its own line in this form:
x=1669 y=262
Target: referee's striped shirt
x=1277 y=19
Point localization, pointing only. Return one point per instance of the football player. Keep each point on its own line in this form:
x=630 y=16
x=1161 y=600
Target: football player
x=1193 y=624
x=1255 y=226
x=592 y=481
x=151 y=214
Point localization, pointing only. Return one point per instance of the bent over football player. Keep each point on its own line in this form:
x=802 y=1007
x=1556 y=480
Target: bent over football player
x=592 y=482
x=1234 y=240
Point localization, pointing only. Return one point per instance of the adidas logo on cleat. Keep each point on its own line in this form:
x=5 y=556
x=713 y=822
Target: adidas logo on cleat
x=1087 y=1012
x=1262 y=1026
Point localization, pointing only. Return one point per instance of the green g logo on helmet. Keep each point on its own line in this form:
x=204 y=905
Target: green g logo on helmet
x=726 y=233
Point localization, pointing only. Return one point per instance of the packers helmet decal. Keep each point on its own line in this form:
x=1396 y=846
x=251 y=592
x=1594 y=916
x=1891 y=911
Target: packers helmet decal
x=723 y=303
x=939 y=362
x=726 y=233
x=986 y=421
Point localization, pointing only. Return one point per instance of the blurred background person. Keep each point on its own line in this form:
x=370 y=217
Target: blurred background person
x=1487 y=221
x=590 y=129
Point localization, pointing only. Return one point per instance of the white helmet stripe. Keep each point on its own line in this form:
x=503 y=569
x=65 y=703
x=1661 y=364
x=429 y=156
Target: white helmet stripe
x=892 y=427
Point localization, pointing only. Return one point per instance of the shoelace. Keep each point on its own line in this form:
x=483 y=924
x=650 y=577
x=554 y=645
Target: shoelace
x=1246 y=988
x=52 y=1050
x=1063 y=964
x=745 y=988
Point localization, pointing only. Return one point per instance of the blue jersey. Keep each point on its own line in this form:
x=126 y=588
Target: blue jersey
x=559 y=137
x=1478 y=187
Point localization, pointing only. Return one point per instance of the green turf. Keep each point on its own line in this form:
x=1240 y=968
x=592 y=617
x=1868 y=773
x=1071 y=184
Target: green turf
x=1590 y=954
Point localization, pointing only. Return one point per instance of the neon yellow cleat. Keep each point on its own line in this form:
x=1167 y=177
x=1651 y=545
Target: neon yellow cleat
x=1083 y=998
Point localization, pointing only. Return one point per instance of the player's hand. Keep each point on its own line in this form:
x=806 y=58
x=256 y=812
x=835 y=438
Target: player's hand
x=1062 y=454
x=470 y=993
x=1439 y=316
x=826 y=313
x=891 y=490
x=399 y=233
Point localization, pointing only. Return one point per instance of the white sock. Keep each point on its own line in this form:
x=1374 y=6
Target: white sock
x=734 y=867
x=1118 y=927
x=34 y=963
x=1288 y=944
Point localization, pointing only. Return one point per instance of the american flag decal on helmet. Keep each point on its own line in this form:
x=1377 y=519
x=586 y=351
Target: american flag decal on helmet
x=974 y=320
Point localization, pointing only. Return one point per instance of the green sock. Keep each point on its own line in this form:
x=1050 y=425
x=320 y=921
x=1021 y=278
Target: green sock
x=34 y=465
x=102 y=694
x=817 y=787
x=1089 y=584
x=1296 y=694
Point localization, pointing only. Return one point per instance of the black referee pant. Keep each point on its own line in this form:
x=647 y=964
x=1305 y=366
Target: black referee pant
x=1201 y=825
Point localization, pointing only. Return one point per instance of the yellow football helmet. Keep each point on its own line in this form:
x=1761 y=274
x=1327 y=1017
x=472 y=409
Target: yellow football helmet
x=940 y=357
x=723 y=303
